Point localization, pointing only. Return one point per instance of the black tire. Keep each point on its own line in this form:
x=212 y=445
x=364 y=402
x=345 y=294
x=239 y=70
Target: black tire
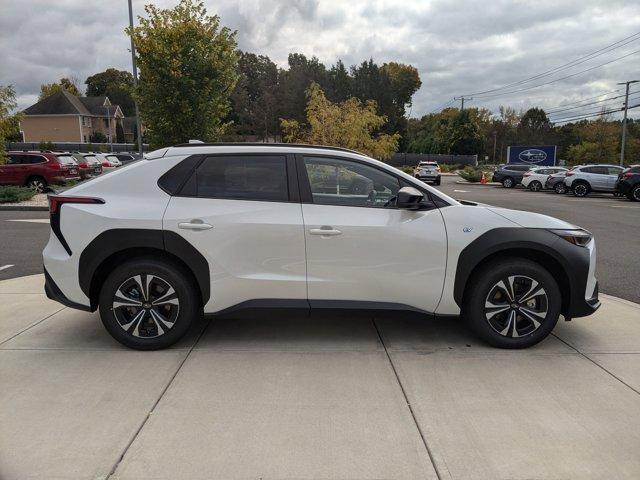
x=483 y=288
x=535 y=186
x=175 y=319
x=508 y=182
x=560 y=188
x=437 y=181
x=580 y=189
x=37 y=183
x=634 y=194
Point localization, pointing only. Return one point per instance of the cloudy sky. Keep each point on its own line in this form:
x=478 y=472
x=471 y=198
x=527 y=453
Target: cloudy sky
x=458 y=46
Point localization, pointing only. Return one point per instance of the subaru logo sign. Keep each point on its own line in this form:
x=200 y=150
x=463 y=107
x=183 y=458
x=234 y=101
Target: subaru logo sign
x=532 y=155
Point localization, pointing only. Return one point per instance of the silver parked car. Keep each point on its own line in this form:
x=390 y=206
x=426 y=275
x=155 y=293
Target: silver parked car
x=592 y=178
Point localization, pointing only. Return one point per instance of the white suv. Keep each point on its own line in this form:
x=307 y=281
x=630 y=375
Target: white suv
x=211 y=228
x=536 y=178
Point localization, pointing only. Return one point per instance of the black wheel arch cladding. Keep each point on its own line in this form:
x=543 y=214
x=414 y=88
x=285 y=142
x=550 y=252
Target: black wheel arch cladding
x=532 y=243
x=111 y=242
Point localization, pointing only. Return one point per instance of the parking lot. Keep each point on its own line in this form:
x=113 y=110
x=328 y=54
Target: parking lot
x=325 y=397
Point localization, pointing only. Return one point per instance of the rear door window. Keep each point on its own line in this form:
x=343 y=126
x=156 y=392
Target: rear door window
x=243 y=177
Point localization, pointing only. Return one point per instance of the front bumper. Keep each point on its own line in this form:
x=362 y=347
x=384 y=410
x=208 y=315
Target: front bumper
x=623 y=187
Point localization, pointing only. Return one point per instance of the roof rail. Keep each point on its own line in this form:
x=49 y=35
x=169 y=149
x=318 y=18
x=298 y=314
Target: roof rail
x=260 y=144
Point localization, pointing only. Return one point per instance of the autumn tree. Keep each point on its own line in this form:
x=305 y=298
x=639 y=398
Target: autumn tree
x=115 y=84
x=8 y=122
x=68 y=84
x=349 y=124
x=188 y=70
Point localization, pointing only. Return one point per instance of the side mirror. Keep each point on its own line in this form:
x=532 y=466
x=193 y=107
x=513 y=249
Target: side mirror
x=409 y=198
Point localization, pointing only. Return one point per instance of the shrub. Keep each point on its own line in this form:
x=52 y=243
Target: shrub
x=407 y=169
x=46 y=145
x=474 y=174
x=14 y=194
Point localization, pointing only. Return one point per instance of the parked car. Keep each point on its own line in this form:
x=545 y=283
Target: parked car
x=556 y=182
x=592 y=178
x=107 y=163
x=217 y=228
x=38 y=170
x=536 y=178
x=628 y=183
x=510 y=175
x=428 y=172
x=113 y=159
x=90 y=162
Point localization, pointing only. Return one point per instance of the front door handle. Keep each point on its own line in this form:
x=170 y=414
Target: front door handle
x=195 y=225
x=325 y=231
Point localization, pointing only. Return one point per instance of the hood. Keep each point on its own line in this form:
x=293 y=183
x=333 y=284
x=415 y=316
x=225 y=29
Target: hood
x=532 y=220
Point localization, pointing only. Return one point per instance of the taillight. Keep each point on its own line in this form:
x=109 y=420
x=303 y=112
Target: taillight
x=627 y=175
x=55 y=203
x=528 y=174
x=569 y=174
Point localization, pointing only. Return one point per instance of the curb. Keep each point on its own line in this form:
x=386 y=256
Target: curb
x=478 y=184
x=23 y=208
x=621 y=300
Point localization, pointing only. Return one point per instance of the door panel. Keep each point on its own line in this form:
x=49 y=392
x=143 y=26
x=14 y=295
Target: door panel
x=255 y=249
x=380 y=255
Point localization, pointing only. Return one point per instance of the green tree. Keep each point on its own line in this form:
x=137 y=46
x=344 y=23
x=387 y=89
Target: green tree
x=464 y=136
x=188 y=70
x=68 y=84
x=98 y=137
x=8 y=122
x=534 y=127
x=350 y=124
x=115 y=84
x=119 y=133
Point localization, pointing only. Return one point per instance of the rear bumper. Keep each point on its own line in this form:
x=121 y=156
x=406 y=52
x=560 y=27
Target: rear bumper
x=428 y=178
x=623 y=187
x=54 y=293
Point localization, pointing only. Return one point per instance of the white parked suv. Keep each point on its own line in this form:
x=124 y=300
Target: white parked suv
x=212 y=228
x=536 y=178
x=583 y=179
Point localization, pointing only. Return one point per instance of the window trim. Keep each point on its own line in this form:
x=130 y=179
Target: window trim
x=292 y=190
x=306 y=196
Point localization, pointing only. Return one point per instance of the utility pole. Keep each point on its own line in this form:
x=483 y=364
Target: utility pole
x=495 y=137
x=462 y=99
x=135 y=80
x=624 y=120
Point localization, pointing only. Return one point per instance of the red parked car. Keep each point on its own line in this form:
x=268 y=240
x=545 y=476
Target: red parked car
x=38 y=170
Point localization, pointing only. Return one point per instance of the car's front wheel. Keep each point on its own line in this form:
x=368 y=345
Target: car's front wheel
x=148 y=304
x=560 y=188
x=508 y=182
x=514 y=303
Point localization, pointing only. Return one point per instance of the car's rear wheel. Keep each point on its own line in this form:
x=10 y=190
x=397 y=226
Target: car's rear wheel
x=634 y=194
x=148 y=304
x=437 y=181
x=560 y=188
x=508 y=182
x=514 y=303
x=535 y=186
x=581 y=189
x=38 y=184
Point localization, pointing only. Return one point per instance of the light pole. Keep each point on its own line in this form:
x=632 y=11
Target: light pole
x=462 y=99
x=624 y=120
x=135 y=80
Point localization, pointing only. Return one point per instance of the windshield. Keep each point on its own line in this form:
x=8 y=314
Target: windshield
x=428 y=165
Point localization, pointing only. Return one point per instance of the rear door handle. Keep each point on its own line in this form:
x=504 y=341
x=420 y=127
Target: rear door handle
x=195 y=225
x=325 y=231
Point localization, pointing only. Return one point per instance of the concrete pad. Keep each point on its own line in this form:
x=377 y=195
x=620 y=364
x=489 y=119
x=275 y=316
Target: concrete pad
x=428 y=334
x=523 y=416
x=19 y=311
x=71 y=414
x=237 y=415
x=72 y=329
x=614 y=328
x=295 y=334
x=28 y=284
x=625 y=366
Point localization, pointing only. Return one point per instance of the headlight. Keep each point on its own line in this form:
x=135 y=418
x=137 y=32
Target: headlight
x=577 y=237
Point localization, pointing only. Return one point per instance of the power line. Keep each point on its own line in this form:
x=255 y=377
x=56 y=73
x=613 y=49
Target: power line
x=602 y=102
x=440 y=108
x=562 y=107
x=584 y=117
x=584 y=58
x=561 y=78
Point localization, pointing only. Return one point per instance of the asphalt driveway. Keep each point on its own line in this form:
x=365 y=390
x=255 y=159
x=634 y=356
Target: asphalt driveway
x=315 y=398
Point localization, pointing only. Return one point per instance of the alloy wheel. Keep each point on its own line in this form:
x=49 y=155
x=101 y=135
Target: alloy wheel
x=37 y=185
x=535 y=186
x=636 y=194
x=516 y=306
x=507 y=183
x=146 y=306
x=560 y=188
x=580 y=190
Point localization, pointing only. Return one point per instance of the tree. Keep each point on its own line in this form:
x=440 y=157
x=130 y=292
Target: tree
x=350 y=124
x=8 y=122
x=98 y=137
x=534 y=127
x=188 y=70
x=599 y=143
x=464 y=135
x=115 y=84
x=68 y=84
x=119 y=133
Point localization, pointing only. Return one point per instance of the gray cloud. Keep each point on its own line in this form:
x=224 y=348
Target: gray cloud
x=458 y=46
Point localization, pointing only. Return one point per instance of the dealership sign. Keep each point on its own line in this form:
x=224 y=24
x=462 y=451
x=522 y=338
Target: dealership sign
x=532 y=154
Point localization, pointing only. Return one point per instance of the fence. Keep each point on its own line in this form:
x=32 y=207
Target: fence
x=79 y=147
x=411 y=159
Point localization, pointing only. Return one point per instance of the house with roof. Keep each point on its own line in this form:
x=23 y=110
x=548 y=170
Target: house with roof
x=64 y=117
